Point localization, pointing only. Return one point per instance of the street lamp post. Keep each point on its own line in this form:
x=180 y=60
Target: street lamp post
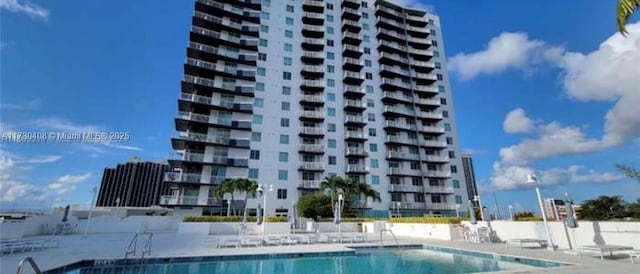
x=94 y=191
x=398 y=209
x=479 y=204
x=458 y=210
x=510 y=212
x=340 y=201
x=263 y=192
x=531 y=179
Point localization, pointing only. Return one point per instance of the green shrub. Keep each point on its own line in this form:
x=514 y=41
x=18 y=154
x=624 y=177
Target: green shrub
x=527 y=219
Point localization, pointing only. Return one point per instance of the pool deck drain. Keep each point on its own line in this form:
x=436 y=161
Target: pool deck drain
x=74 y=248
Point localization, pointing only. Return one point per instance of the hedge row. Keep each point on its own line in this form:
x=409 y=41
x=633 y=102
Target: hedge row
x=230 y=219
x=528 y=219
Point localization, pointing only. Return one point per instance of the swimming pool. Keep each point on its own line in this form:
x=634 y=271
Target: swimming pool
x=416 y=259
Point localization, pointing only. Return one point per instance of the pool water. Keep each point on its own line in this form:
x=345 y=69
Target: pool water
x=385 y=261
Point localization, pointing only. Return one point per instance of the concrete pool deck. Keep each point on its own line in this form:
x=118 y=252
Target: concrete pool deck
x=113 y=246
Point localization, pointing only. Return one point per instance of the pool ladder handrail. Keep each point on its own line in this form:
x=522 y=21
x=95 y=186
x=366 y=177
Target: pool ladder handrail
x=146 y=249
x=392 y=235
x=31 y=262
x=147 y=246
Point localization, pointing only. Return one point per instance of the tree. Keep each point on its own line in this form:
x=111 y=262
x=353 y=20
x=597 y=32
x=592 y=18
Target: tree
x=629 y=171
x=604 y=208
x=625 y=9
x=633 y=210
x=314 y=205
x=247 y=186
x=367 y=191
x=227 y=185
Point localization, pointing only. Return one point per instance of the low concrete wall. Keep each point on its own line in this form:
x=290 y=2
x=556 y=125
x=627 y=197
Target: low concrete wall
x=254 y=229
x=587 y=232
x=11 y=229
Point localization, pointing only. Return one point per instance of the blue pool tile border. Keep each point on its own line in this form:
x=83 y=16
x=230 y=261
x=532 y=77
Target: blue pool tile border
x=496 y=256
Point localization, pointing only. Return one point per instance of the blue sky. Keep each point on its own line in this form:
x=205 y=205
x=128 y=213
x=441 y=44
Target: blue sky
x=533 y=84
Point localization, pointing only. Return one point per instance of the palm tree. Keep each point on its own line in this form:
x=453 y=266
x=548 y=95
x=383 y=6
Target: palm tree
x=368 y=192
x=228 y=185
x=625 y=9
x=332 y=183
x=247 y=186
x=629 y=171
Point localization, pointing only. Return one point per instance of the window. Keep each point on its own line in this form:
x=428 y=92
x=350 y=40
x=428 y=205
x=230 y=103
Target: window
x=265 y=15
x=445 y=114
x=331 y=83
x=372 y=132
x=286 y=90
x=288 y=21
x=329 y=18
x=332 y=160
x=443 y=101
x=375 y=179
x=441 y=88
x=436 y=53
x=253 y=173
x=373 y=147
x=331 y=127
x=329 y=6
x=371 y=117
x=438 y=66
x=284 y=122
x=458 y=199
x=284 y=139
x=374 y=163
x=367 y=62
x=456 y=184
x=366 y=38
x=264 y=43
x=264 y=28
x=286 y=75
x=262 y=56
x=434 y=43
x=367 y=50
x=431 y=22
x=436 y=199
x=365 y=15
x=365 y=26
x=256 y=136
x=331 y=112
x=261 y=71
x=283 y=157
x=288 y=47
x=369 y=89
x=330 y=42
x=332 y=143
x=286 y=106
x=329 y=30
x=257 y=119
x=254 y=155
x=259 y=86
x=331 y=97
x=452 y=154
x=331 y=69
x=283 y=175
x=447 y=127
x=418 y=197
x=454 y=169
x=257 y=102
x=439 y=76
x=449 y=141
x=287 y=61
x=370 y=102
x=289 y=8
x=282 y=194
x=433 y=32
x=330 y=55
x=266 y=3
x=396 y=197
x=363 y=4
x=368 y=75
x=288 y=34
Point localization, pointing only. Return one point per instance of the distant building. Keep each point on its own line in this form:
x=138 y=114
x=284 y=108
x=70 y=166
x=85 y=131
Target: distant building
x=555 y=209
x=134 y=184
x=469 y=176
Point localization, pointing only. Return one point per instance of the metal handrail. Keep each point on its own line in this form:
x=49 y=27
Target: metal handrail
x=147 y=246
x=31 y=262
x=392 y=235
x=134 y=243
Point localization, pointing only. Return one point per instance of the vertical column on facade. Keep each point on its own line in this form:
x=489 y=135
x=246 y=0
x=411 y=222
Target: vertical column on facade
x=311 y=148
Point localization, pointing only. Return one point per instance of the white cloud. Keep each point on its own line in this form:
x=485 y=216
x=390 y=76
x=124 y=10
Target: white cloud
x=517 y=122
x=29 y=105
x=475 y=151
x=414 y=4
x=63 y=125
x=67 y=182
x=40 y=159
x=506 y=51
x=33 y=10
x=514 y=177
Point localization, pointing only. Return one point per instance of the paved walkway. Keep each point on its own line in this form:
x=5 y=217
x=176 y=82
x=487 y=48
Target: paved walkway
x=112 y=246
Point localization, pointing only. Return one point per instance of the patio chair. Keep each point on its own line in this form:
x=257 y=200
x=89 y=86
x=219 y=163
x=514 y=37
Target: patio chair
x=231 y=242
x=359 y=238
x=272 y=240
x=634 y=254
x=482 y=235
x=251 y=241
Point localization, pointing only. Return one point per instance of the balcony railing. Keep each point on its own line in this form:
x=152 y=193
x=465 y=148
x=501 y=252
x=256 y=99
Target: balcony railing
x=401 y=125
x=312 y=114
x=312 y=130
x=354 y=103
x=412 y=205
x=397 y=139
x=178 y=200
x=406 y=156
x=405 y=188
x=397 y=96
x=313 y=98
x=404 y=111
x=311 y=148
x=353 y=119
x=441 y=206
x=354 y=134
x=310 y=184
x=439 y=189
x=433 y=129
x=356 y=151
x=436 y=158
x=404 y=171
x=178 y=177
x=437 y=173
x=357 y=168
x=312 y=165
x=434 y=143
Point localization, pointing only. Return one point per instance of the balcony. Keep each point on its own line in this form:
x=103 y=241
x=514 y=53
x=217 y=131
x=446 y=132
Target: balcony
x=403 y=156
x=404 y=171
x=351 y=25
x=245 y=89
x=434 y=143
x=405 y=188
x=359 y=135
x=312 y=99
x=179 y=177
x=441 y=206
x=356 y=151
x=439 y=189
x=427 y=102
x=398 y=110
x=422 y=20
x=223 y=36
x=313 y=69
x=354 y=78
x=436 y=158
x=352 y=119
x=314 y=6
x=353 y=90
x=430 y=115
x=313 y=31
x=396 y=83
x=317 y=166
x=391 y=35
x=355 y=105
x=246 y=56
x=312 y=84
x=357 y=169
x=395 y=58
x=437 y=174
x=314 y=57
x=210 y=101
x=397 y=96
x=412 y=205
x=216 y=160
x=351 y=38
x=310 y=114
x=426 y=89
x=317 y=131
x=195 y=117
x=204 y=138
x=313 y=44
x=351 y=3
x=401 y=140
x=432 y=129
x=392 y=23
x=213 y=67
x=351 y=14
x=180 y=200
x=387 y=10
x=310 y=184
x=352 y=51
x=401 y=125
x=311 y=148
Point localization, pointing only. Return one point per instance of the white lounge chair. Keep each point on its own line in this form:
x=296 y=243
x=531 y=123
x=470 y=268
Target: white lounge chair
x=251 y=241
x=359 y=238
x=272 y=240
x=634 y=254
x=523 y=242
x=602 y=249
x=231 y=242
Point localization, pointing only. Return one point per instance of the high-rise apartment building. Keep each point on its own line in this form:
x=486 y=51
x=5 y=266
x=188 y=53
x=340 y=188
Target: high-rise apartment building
x=134 y=184
x=470 y=178
x=289 y=92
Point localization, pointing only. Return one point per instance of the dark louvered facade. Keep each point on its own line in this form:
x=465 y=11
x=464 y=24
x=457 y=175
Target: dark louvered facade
x=134 y=184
